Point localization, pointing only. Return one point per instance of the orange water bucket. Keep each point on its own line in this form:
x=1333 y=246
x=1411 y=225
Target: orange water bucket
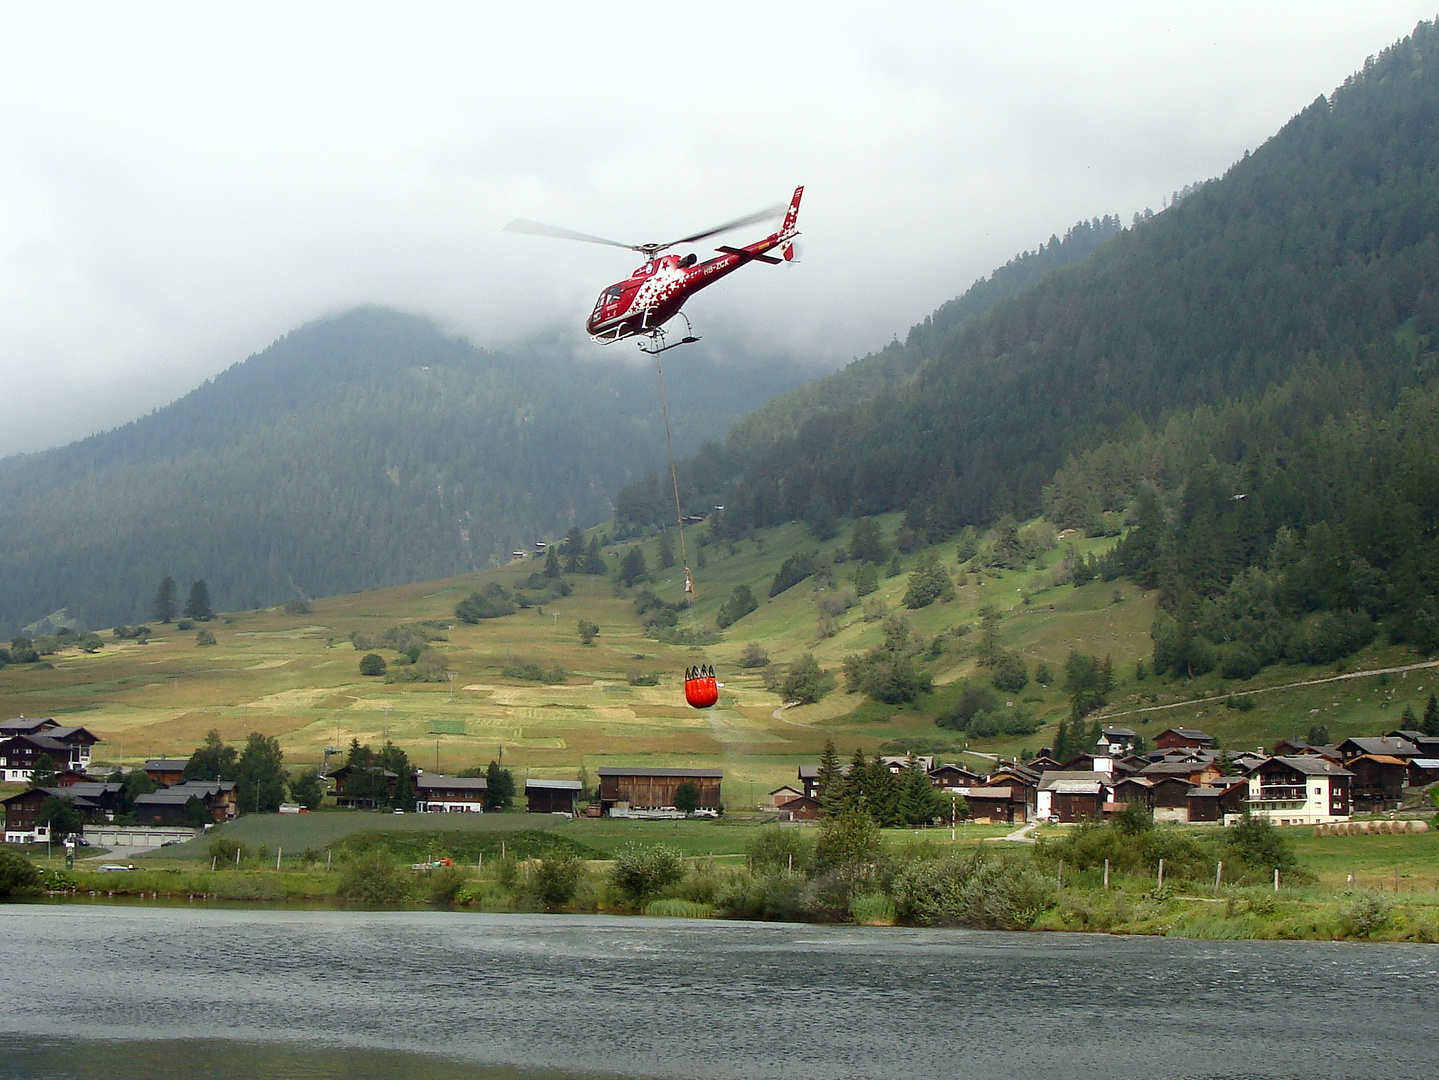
x=701 y=690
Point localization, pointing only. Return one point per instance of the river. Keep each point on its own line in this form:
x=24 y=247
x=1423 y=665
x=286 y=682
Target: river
x=119 y=991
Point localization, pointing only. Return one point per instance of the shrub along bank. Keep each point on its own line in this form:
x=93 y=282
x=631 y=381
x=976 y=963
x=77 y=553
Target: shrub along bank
x=845 y=870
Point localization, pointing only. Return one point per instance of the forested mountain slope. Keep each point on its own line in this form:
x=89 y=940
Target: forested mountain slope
x=893 y=365
x=1319 y=250
x=357 y=451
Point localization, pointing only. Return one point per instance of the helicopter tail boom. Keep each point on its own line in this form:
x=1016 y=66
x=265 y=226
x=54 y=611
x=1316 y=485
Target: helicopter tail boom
x=792 y=214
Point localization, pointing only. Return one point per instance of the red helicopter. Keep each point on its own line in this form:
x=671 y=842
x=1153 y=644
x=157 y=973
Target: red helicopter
x=652 y=295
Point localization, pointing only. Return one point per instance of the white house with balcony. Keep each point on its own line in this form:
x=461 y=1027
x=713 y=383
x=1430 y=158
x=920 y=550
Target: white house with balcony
x=1300 y=790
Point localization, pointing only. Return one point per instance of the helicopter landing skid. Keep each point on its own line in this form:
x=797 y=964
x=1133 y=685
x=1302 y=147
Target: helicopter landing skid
x=656 y=338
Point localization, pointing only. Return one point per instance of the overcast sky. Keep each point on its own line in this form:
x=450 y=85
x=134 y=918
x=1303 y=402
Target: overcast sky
x=181 y=184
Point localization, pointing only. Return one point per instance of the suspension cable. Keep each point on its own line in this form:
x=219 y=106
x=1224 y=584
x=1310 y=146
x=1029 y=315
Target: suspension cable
x=674 y=481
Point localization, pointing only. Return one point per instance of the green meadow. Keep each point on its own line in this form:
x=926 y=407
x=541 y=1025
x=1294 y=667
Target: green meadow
x=296 y=676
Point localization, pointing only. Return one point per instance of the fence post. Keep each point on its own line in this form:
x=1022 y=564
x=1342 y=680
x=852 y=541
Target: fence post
x=1218 y=876
x=278 y=852
x=1276 y=879
x=1106 y=873
x=1161 y=874
x=1059 y=875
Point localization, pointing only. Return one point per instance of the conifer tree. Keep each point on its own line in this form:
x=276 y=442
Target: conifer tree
x=829 y=782
x=920 y=804
x=197 y=606
x=162 y=607
x=1430 y=724
x=594 y=562
x=852 y=797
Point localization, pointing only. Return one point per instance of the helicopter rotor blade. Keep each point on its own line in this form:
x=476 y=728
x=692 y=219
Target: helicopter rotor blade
x=767 y=214
x=539 y=228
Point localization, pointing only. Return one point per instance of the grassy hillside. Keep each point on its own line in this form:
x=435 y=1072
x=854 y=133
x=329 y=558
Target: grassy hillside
x=296 y=676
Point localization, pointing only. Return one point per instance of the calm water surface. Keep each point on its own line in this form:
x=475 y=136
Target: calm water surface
x=119 y=992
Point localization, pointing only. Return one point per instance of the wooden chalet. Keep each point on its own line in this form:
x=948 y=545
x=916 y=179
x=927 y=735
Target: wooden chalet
x=553 y=796
x=167 y=772
x=1118 y=741
x=998 y=804
x=1211 y=802
x=654 y=789
x=1195 y=772
x=1379 y=781
x=436 y=794
x=184 y=804
x=1169 y=797
x=22 y=813
x=808 y=776
x=1072 y=795
x=1423 y=771
x=343 y=780
x=66 y=747
x=804 y=808
x=951 y=777
x=1134 y=789
x=782 y=795
x=1387 y=746
x=1184 y=738
x=1428 y=745
x=1043 y=763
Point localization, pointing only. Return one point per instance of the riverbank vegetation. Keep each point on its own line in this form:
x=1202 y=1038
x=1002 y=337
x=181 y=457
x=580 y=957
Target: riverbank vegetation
x=847 y=870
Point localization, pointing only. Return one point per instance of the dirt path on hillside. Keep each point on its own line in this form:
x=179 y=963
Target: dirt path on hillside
x=1271 y=689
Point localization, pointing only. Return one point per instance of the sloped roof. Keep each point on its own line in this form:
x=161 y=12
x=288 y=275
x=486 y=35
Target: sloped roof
x=431 y=781
x=811 y=772
x=175 y=796
x=568 y=785
x=1383 y=759
x=204 y=787
x=1398 y=747
x=93 y=789
x=166 y=765
x=694 y=773
x=1312 y=766
x=1188 y=733
x=24 y=724
x=1173 y=768
x=1068 y=782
